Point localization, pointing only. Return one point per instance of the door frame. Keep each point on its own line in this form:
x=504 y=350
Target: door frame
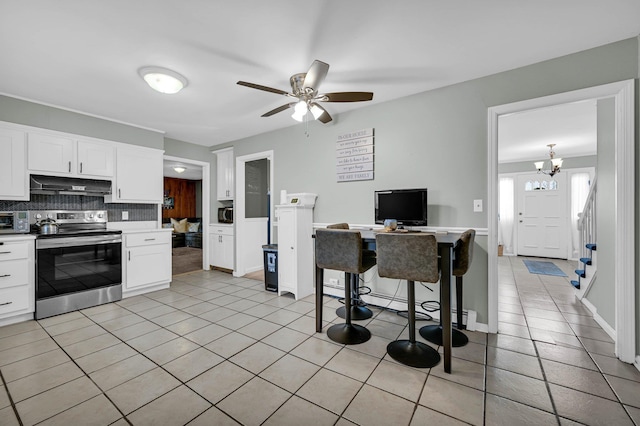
x=625 y=279
x=206 y=207
x=239 y=219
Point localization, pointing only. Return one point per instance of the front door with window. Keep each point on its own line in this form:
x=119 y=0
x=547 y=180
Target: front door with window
x=542 y=215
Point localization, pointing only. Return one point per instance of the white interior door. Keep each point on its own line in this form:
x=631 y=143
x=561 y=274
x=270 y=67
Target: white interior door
x=542 y=215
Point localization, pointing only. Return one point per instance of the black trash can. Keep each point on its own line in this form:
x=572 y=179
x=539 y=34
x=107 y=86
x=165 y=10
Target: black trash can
x=270 y=267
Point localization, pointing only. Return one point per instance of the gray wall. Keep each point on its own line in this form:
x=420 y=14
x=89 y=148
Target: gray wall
x=602 y=292
x=31 y=114
x=436 y=139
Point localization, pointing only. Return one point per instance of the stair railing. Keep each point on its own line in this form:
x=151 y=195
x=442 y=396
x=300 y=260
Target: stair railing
x=587 y=219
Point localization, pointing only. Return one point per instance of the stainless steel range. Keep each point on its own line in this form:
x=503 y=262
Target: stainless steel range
x=78 y=261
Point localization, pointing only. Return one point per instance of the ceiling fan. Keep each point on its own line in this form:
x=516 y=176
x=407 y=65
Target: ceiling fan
x=304 y=88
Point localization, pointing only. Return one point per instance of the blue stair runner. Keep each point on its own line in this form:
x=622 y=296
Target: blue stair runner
x=582 y=272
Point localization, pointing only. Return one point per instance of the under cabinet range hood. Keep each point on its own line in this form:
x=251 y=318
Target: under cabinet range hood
x=53 y=185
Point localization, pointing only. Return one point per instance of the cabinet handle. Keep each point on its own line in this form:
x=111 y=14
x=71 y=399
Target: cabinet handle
x=149 y=239
x=129 y=256
x=80 y=167
x=5 y=303
x=5 y=252
x=69 y=166
x=119 y=195
x=5 y=275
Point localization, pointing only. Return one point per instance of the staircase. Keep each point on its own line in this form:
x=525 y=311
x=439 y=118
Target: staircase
x=587 y=268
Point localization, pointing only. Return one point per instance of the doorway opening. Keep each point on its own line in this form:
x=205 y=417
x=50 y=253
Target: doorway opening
x=623 y=248
x=186 y=208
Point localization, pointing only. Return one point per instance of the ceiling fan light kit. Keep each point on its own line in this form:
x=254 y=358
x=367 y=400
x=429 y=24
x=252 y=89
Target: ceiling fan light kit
x=304 y=87
x=163 y=80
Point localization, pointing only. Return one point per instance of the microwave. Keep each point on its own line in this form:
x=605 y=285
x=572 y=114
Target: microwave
x=14 y=222
x=225 y=215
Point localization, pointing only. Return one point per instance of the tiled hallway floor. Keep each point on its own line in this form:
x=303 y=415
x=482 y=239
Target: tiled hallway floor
x=218 y=350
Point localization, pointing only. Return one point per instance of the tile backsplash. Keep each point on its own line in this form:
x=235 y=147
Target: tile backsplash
x=137 y=212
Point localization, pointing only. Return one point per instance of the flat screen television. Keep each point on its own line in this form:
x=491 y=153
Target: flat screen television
x=407 y=206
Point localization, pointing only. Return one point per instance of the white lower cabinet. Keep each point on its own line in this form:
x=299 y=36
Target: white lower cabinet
x=17 y=279
x=221 y=246
x=147 y=261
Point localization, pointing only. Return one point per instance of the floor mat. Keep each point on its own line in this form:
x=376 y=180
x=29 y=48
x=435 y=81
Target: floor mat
x=543 y=268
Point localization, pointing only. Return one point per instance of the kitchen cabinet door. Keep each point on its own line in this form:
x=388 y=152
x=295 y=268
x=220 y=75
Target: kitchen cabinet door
x=225 y=174
x=13 y=165
x=138 y=176
x=95 y=158
x=50 y=153
x=148 y=265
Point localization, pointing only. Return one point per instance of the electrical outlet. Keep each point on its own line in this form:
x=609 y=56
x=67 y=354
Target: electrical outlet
x=125 y=215
x=477 y=205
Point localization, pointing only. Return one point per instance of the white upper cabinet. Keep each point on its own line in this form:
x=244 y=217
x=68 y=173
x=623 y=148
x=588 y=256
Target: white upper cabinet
x=225 y=173
x=95 y=158
x=49 y=153
x=13 y=165
x=62 y=155
x=138 y=176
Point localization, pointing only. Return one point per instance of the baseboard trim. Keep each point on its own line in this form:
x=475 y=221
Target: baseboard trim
x=601 y=322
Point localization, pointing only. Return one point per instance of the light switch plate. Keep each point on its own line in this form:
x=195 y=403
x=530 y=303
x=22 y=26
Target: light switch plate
x=477 y=205
x=125 y=215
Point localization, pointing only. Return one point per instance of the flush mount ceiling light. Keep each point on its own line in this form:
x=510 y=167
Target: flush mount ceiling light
x=179 y=169
x=163 y=80
x=556 y=163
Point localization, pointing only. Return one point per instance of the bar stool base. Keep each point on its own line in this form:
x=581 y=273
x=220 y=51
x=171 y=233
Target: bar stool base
x=348 y=334
x=415 y=354
x=357 y=312
x=433 y=334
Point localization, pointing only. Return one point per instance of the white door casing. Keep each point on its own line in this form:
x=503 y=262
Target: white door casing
x=250 y=233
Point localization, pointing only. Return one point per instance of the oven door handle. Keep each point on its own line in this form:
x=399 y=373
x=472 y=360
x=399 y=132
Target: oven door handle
x=76 y=241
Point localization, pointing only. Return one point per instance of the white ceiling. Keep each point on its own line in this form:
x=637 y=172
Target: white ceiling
x=192 y=171
x=525 y=135
x=84 y=55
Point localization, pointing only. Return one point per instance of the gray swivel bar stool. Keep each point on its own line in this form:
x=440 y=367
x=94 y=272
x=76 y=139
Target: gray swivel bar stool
x=358 y=310
x=341 y=250
x=411 y=257
x=462 y=259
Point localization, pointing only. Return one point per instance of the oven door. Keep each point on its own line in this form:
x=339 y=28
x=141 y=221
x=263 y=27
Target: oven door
x=79 y=268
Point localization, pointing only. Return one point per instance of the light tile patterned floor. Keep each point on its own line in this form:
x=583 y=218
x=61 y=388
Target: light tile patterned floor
x=218 y=350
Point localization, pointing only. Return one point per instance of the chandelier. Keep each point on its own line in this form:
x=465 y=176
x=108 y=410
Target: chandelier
x=556 y=163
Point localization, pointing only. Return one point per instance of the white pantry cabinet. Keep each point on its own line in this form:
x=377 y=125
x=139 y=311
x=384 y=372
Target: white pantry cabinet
x=221 y=246
x=295 y=250
x=225 y=173
x=13 y=165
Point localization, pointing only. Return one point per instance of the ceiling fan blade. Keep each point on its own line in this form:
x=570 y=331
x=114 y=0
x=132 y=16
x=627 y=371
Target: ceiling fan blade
x=277 y=110
x=265 y=88
x=348 y=96
x=324 y=117
x=315 y=76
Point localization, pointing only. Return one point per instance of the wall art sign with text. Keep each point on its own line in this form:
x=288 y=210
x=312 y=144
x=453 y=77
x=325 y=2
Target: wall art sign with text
x=354 y=156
